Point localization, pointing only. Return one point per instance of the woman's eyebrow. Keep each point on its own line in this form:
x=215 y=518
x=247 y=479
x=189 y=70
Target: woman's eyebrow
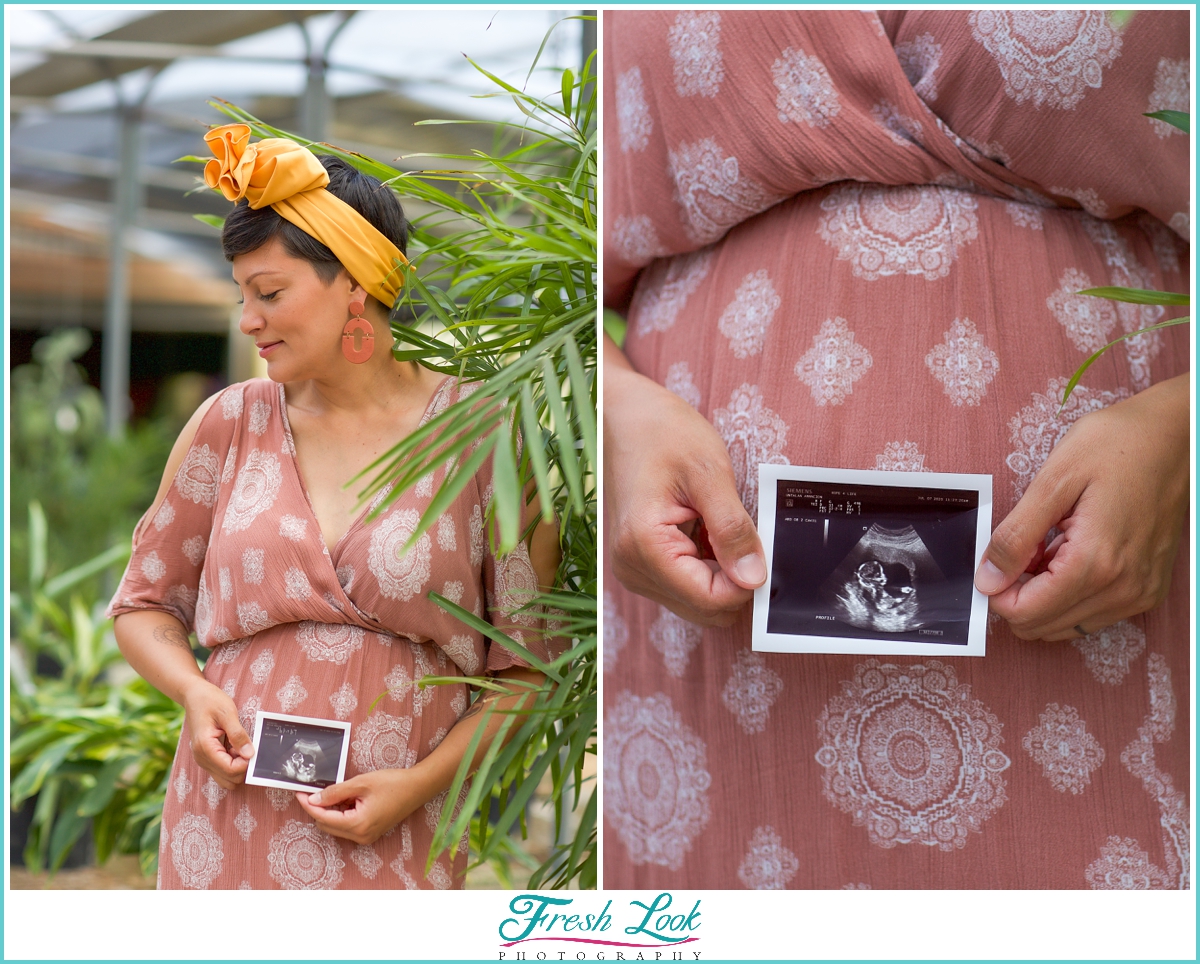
x=251 y=277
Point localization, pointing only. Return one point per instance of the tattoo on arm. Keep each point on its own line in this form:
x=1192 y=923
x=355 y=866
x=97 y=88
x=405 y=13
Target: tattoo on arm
x=173 y=636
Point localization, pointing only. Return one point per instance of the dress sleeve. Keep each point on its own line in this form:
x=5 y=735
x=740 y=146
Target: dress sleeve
x=166 y=568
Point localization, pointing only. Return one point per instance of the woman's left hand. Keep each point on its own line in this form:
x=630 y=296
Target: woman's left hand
x=365 y=807
x=1116 y=487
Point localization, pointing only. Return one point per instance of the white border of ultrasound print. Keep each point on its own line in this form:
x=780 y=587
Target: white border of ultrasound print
x=765 y=642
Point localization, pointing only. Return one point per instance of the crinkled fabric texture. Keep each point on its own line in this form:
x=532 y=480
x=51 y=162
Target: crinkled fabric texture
x=235 y=553
x=856 y=243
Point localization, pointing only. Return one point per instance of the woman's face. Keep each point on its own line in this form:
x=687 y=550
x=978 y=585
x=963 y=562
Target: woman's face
x=295 y=319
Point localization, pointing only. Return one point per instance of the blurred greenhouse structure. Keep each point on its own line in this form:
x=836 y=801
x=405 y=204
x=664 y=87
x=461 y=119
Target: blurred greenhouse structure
x=103 y=102
x=123 y=315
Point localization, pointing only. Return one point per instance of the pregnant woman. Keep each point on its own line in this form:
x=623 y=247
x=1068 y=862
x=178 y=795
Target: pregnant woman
x=311 y=604
x=855 y=240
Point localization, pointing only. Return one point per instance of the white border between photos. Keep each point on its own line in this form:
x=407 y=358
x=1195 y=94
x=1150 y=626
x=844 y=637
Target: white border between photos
x=768 y=642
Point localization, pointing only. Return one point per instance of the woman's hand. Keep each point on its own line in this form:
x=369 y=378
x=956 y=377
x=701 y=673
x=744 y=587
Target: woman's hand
x=219 y=742
x=365 y=807
x=665 y=466
x=1116 y=487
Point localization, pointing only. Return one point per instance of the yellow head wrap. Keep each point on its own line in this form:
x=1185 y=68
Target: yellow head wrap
x=289 y=178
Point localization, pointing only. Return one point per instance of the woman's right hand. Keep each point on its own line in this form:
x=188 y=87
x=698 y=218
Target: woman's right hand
x=665 y=466
x=219 y=743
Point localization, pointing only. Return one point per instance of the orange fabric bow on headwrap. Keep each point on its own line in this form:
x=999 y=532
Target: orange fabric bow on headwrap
x=289 y=178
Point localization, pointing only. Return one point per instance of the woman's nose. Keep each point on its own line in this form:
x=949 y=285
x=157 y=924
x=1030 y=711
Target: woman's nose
x=250 y=321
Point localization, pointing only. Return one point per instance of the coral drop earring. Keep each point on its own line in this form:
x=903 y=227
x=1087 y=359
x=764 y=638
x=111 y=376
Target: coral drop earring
x=358 y=337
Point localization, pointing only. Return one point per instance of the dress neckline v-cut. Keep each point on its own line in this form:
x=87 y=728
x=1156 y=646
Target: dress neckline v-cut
x=330 y=551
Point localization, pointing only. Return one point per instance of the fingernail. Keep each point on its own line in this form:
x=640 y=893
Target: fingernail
x=315 y=799
x=248 y=751
x=750 y=570
x=988 y=579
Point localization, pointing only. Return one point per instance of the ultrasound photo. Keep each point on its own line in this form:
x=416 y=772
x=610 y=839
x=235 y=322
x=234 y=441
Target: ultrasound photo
x=298 y=753
x=870 y=562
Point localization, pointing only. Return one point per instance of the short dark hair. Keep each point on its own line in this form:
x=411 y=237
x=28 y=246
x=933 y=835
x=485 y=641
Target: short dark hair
x=248 y=230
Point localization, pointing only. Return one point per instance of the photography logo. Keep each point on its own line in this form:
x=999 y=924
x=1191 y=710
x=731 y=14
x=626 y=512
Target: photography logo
x=544 y=928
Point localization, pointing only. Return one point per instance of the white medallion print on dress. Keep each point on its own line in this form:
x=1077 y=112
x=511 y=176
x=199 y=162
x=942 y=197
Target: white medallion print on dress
x=329 y=642
x=635 y=239
x=806 y=93
x=745 y=319
x=254 y=492
x=213 y=793
x=655 y=780
x=902 y=129
x=291 y=694
x=1109 y=652
x=1123 y=865
x=634 y=124
x=884 y=231
x=244 y=822
x=1181 y=224
x=754 y=435
x=261 y=668
x=1087 y=320
x=768 y=864
x=834 y=363
x=963 y=363
x=231 y=402
x=197 y=851
x=679 y=381
x=910 y=755
x=751 y=691
x=712 y=193
x=1026 y=215
x=616 y=632
x=195 y=548
x=665 y=289
x=252 y=566
x=293 y=527
x=900 y=457
x=153 y=568
x=280 y=798
x=343 y=701
x=183 y=786
x=1138 y=759
x=1162 y=240
x=366 y=860
x=1087 y=197
x=1065 y=750
x=164 y=516
x=230 y=465
x=252 y=618
x=199 y=477
x=1049 y=57
x=381 y=743
x=401 y=575
x=694 y=42
x=675 y=638
x=919 y=59
x=260 y=413
x=1172 y=91
x=1039 y=426
x=304 y=858
x=1127 y=271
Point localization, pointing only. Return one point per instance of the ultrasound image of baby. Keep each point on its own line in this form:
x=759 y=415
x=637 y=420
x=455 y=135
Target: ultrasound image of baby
x=878 y=585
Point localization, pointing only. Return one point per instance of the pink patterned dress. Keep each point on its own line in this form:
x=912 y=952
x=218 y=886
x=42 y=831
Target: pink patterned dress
x=235 y=552
x=855 y=242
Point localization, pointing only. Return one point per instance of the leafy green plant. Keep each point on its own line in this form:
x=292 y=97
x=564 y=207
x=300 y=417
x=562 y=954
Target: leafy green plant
x=501 y=291
x=88 y=750
x=1137 y=296
x=90 y=486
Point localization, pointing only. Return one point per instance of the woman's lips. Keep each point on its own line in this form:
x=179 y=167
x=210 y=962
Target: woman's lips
x=265 y=350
